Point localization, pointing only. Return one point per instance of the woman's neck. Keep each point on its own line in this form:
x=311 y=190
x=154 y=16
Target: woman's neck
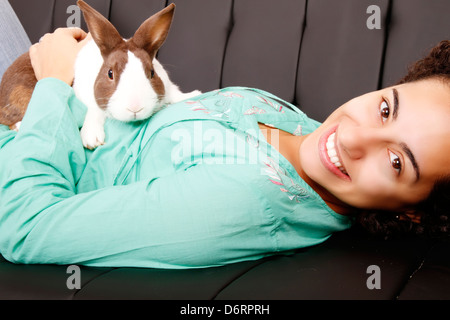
x=289 y=145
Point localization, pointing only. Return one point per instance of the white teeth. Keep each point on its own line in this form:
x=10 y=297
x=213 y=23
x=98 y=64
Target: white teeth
x=332 y=153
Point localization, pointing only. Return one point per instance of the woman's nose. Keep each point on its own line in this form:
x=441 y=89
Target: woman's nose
x=357 y=141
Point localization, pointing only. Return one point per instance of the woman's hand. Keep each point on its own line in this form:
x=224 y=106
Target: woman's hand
x=54 y=56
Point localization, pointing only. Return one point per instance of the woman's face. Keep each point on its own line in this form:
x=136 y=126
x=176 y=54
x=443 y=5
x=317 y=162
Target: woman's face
x=383 y=150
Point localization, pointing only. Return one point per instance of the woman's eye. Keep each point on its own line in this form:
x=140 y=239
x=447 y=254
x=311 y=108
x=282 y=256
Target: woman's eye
x=384 y=111
x=395 y=162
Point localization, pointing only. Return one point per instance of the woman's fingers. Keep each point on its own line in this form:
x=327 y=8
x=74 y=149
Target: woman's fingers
x=55 y=53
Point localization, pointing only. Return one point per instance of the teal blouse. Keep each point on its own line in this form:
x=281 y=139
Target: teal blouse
x=196 y=185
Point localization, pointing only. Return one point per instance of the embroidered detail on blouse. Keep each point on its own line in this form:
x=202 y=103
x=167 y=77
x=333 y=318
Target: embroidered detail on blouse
x=230 y=94
x=225 y=113
x=275 y=106
x=277 y=176
x=221 y=109
x=252 y=141
x=197 y=106
x=298 y=131
x=254 y=110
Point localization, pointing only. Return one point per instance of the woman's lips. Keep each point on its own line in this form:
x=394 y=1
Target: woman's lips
x=336 y=166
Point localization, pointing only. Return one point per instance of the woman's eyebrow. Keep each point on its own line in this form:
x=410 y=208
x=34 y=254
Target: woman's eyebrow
x=404 y=146
x=411 y=157
x=396 y=104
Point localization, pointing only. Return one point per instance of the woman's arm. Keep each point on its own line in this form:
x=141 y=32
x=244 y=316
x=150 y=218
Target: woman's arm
x=194 y=218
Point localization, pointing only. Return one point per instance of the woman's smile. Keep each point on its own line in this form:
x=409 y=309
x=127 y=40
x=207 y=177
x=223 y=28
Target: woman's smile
x=330 y=155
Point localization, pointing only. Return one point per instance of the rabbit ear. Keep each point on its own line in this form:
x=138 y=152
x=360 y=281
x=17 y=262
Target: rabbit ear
x=103 y=32
x=153 y=32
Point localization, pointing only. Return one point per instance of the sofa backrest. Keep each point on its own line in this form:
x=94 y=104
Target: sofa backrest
x=316 y=54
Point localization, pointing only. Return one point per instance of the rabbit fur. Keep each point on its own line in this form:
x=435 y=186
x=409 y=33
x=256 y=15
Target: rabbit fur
x=114 y=77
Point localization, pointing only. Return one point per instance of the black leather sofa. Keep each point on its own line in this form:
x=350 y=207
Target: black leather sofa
x=316 y=54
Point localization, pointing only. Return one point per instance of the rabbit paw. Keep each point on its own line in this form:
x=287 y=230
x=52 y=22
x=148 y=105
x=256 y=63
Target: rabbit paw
x=192 y=94
x=92 y=136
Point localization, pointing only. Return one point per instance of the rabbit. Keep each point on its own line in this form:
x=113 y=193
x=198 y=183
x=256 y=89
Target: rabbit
x=113 y=77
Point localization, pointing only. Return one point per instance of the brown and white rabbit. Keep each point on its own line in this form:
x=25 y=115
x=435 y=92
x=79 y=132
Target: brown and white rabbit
x=116 y=77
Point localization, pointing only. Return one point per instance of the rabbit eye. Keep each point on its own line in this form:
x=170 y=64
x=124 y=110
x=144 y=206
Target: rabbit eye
x=152 y=73
x=110 y=74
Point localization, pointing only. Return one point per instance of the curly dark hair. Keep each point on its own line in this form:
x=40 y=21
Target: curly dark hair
x=435 y=210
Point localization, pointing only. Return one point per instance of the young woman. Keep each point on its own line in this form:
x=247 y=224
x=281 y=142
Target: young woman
x=231 y=175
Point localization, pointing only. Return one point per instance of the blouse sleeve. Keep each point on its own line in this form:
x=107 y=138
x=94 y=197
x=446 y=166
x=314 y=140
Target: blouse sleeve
x=194 y=218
